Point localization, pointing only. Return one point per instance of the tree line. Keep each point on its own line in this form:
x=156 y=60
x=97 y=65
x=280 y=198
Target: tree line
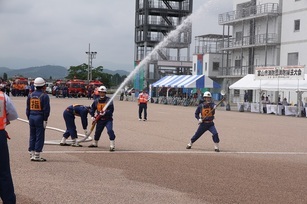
x=81 y=72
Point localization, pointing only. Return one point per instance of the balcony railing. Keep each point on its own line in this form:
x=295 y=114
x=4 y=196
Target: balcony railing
x=253 y=11
x=238 y=70
x=249 y=41
x=234 y=71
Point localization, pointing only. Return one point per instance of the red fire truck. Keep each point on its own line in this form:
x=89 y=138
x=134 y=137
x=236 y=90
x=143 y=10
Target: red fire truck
x=76 y=88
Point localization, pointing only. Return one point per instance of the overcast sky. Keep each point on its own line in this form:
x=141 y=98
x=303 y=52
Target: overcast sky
x=58 y=32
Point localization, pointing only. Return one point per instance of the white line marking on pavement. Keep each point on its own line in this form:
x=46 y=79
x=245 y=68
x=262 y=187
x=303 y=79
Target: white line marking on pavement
x=170 y=152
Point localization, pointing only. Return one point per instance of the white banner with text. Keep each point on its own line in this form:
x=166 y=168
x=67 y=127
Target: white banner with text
x=280 y=72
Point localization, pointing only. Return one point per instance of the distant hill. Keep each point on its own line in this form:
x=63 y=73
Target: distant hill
x=120 y=72
x=47 y=71
x=56 y=72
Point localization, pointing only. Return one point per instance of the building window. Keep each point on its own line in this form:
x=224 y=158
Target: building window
x=215 y=66
x=237 y=63
x=238 y=36
x=297 y=25
x=292 y=58
x=205 y=66
x=236 y=93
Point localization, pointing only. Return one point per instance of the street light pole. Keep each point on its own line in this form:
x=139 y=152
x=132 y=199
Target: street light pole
x=91 y=56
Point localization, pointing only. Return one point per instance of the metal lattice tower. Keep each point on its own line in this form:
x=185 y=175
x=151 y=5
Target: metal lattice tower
x=154 y=19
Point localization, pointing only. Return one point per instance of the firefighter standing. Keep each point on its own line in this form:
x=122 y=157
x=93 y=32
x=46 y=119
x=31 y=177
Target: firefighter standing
x=207 y=111
x=103 y=118
x=38 y=111
x=71 y=130
x=7 y=114
x=143 y=98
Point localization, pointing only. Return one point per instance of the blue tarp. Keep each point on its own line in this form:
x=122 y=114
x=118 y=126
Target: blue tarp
x=186 y=81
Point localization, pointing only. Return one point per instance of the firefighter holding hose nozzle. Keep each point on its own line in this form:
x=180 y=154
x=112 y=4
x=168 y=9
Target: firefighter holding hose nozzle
x=103 y=118
x=205 y=116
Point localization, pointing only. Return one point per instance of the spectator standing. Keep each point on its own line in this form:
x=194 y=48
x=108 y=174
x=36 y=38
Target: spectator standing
x=143 y=99
x=245 y=96
x=265 y=101
x=284 y=103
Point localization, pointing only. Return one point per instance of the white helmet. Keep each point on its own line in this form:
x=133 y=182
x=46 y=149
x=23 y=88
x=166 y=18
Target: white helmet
x=102 y=89
x=207 y=94
x=39 y=81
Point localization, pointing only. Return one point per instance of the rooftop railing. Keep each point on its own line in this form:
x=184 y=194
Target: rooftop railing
x=253 y=11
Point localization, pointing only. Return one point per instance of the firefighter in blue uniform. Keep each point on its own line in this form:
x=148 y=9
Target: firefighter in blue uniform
x=37 y=111
x=206 y=111
x=71 y=130
x=7 y=114
x=103 y=118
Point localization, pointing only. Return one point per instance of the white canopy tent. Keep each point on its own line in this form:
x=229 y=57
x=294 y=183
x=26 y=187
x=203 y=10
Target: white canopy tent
x=249 y=83
x=297 y=86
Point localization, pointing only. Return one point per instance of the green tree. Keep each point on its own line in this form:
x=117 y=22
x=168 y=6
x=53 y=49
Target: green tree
x=4 y=76
x=79 y=72
x=116 y=79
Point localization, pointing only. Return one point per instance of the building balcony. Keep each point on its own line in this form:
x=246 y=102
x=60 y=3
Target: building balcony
x=237 y=71
x=249 y=13
x=234 y=71
x=269 y=39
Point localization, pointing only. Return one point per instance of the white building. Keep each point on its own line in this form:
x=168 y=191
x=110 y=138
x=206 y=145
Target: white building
x=257 y=33
x=293 y=33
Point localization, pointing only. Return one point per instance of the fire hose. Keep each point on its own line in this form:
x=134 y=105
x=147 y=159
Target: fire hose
x=86 y=138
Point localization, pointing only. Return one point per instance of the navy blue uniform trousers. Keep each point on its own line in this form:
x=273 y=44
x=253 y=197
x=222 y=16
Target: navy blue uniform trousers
x=143 y=106
x=37 y=132
x=71 y=129
x=202 y=128
x=101 y=124
x=6 y=183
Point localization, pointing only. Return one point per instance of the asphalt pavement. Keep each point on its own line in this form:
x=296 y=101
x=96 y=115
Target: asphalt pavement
x=263 y=159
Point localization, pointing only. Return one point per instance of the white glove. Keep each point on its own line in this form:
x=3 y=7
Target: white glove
x=102 y=113
x=85 y=132
x=200 y=120
x=93 y=118
x=45 y=124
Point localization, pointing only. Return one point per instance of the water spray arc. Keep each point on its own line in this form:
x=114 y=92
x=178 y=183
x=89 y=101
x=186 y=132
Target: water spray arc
x=168 y=39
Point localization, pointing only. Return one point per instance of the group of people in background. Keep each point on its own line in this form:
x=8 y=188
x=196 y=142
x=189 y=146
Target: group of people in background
x=265 y=100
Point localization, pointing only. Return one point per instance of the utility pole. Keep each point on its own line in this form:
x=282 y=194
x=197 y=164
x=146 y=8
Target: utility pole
x=91 y=56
